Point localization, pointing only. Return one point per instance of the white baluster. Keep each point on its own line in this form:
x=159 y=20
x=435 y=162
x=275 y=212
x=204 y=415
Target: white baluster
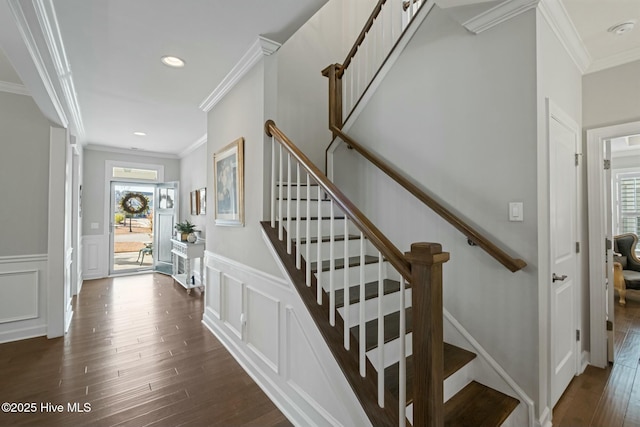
x=346 y=289
x=361 y=320
x=319 y=259
x=273 y=182
x=402 y=397
x=380 y=334
x=289 y=181
x=298 y=195
x=280 y=218
x=307 y=256
x=332 y=268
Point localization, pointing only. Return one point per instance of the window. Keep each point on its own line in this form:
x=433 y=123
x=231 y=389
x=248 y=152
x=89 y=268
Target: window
x=133 y=173
x=628 y=188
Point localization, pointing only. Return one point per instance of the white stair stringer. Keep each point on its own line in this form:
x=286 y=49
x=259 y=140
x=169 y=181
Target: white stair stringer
x=487 y=371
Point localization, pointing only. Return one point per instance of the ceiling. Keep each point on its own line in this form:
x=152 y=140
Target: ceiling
x=113 y=48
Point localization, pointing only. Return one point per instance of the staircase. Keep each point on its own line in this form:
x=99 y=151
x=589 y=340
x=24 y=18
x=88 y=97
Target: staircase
x=350 y=287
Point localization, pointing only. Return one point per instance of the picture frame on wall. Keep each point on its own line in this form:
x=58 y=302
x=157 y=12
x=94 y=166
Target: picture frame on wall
x=194 y=202
x=228 y=191
x=202 y=201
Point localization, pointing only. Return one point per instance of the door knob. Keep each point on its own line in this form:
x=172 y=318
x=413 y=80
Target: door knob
x=555 y=277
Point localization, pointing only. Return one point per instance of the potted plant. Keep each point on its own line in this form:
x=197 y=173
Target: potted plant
x=185 y=228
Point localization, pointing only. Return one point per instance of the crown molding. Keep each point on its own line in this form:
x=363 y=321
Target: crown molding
x=32 y=47
x=614 y=60
x=14 y=88
x=498 y=14
x=260 y=48
x=50 y=29
x=558 y=19
x=129 y=152
x=193 y=147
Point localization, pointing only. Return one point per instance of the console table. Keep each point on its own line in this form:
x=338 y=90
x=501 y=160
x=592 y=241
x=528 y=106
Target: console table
x=188 y=252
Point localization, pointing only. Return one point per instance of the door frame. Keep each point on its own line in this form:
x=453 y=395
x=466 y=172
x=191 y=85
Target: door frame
x=556 y=113
x=597 y=214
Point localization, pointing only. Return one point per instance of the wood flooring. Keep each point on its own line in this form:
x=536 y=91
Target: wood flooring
x=608 y=397
x=136 y=355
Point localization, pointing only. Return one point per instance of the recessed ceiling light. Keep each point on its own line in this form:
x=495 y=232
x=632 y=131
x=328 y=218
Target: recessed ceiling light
x=140 y=134
x=623 y=28
x=172 y=61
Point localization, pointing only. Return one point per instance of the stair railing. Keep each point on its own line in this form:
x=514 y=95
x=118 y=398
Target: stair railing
x=348 y=81
x=474 y=237
x=421 y=268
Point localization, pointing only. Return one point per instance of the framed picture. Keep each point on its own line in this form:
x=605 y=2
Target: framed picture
x=194 y=203
x=202 y=201
x=228 y=191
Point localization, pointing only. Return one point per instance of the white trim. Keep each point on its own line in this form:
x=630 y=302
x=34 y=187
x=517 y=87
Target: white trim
x=498 y=14
x=558 y=19
x=26 y=316
x=585 y=360
x=130 y=152
x=15 y=88
x=545 y=418
x=23 y=258
x=209 y=257
x=260 y=48
x=596 y=213
x=36 y=57
x=193 y=147
x=621 y=58
x=494 y=365
x=23 y=333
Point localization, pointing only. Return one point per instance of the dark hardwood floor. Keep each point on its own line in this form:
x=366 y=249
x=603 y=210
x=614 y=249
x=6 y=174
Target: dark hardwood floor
x=608 y=397
x=137 y=355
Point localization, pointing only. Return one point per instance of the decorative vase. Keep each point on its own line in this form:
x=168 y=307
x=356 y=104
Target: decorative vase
x=184 y=236
x=191 y=238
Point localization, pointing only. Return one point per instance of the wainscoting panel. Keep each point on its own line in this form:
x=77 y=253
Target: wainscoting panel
x=263 y=327
x=95 y=256
x=233 y=307
x=23 y=297
x=18 y=295
x=266 y=327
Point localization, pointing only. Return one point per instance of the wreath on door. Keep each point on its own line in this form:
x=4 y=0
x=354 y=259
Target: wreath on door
x=134 y=203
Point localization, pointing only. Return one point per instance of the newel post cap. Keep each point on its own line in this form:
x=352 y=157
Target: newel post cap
x=427 y=253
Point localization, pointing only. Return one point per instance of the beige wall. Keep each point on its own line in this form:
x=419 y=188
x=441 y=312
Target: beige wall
x=24 y=176
x=193 y=176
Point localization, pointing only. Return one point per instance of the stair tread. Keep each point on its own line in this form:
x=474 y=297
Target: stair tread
x=455 y=358
x=354 y=261
x=370 y=291
x=478 y=405
x=391 y=328
x=338 y=238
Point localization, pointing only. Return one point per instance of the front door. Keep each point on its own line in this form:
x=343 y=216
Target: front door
x=164 y=219
x=563 y=281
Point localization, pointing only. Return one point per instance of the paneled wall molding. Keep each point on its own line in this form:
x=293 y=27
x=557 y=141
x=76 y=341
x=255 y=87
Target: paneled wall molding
x=14 y=88
x=264 y=324
x=260 y=48
x=95 y=257
x=23 y=258
x=23 y=297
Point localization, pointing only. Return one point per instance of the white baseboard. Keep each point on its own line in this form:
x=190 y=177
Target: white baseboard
x=586 y=357
x=545 y=418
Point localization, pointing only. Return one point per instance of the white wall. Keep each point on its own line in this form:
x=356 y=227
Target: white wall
x=24 y=172
x=193 y=176
x=611 y=96
x=559 y=80
x=465 y=130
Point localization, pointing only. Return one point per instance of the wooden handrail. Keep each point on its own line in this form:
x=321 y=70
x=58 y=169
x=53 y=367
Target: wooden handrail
x=390 y=252
x=513 y=264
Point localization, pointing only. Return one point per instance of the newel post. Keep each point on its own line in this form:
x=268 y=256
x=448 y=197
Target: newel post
x=428 y=347
x=333 y=72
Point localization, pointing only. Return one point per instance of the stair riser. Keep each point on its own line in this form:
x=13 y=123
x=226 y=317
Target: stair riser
x=390 y=304
x=325 y=207
x=338 y=249
x=370 y=274
x=338 y=228
x=391 y=352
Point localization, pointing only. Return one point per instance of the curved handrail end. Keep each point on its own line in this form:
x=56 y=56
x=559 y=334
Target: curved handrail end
x=518 y=265
x=267 y=127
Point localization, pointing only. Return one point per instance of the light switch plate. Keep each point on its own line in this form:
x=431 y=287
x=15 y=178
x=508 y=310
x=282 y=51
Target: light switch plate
x=516 y=211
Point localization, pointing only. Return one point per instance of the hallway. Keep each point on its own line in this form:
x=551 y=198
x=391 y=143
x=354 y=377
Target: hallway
x=608 y=397
x=136 y=354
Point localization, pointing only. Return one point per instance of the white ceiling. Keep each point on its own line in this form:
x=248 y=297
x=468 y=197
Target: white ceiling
x=114 y=49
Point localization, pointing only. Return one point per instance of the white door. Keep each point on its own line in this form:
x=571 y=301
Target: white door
x=563 y=203
x=608 y=191
x=164 y=220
